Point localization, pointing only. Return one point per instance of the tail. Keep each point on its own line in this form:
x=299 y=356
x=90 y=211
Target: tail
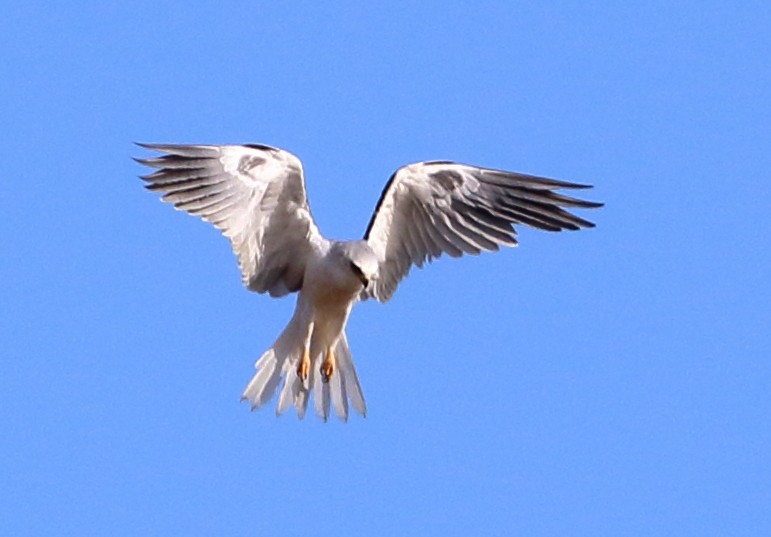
x=281 y=361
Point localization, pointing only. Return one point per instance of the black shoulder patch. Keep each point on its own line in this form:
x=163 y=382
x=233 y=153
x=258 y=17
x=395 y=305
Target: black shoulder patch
x=379 y=204
x=261 y=147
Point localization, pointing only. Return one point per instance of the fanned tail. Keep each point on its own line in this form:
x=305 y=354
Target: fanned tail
x=281 y=361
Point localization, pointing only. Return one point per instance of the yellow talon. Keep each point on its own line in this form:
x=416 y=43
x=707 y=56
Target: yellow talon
x=328 y=366
x=304 y=366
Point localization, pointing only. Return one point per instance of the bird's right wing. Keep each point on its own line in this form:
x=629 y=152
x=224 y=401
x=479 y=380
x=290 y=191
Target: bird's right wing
x=255 y=195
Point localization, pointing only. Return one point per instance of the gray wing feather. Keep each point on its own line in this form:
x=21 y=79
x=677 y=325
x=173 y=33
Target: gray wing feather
x=431 y=208
x=254 y=194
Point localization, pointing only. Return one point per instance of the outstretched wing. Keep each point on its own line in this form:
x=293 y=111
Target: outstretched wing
x=431 y=208
x=254 y=194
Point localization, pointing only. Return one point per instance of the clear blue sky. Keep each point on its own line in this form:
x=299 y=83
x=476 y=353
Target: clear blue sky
x=614 y=381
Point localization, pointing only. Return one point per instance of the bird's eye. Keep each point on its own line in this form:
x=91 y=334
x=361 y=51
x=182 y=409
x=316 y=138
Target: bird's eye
x=359 y=274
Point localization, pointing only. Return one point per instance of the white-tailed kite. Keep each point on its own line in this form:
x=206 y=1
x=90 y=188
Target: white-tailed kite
x=255 y=195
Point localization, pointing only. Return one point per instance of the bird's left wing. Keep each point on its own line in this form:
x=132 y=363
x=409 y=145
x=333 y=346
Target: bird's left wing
x=255 y=195
x=431 y=208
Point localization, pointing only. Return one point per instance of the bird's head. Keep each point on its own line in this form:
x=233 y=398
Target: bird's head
x=361 y=260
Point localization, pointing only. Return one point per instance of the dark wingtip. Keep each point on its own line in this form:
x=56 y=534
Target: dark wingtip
x=584 y=204
x=138 y=160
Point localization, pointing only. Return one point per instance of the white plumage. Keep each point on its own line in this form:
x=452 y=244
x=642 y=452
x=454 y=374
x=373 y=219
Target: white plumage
x=255 y=195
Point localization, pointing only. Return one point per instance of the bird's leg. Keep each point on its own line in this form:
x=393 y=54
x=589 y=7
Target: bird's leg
x=328 y=365
x=304 y=367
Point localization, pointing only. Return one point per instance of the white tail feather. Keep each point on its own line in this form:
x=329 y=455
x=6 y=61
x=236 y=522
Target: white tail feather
x=349 y=380
x=289 y=388
x=321 y=396
x=339 y=397
x=281 y=361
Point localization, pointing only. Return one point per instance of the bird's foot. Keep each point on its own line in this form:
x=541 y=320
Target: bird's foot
x=304 y=367
x=328 y=366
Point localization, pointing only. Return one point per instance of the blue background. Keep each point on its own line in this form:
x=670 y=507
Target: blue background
x=612 y=382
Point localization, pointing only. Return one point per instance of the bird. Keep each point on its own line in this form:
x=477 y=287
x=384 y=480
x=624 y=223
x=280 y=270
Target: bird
x=255 y=195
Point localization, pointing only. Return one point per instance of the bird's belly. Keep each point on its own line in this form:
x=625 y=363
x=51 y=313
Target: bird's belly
x=328 y=308
x=328 y=316
x=328 y=295
x=331 y=310
x=329 y=291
